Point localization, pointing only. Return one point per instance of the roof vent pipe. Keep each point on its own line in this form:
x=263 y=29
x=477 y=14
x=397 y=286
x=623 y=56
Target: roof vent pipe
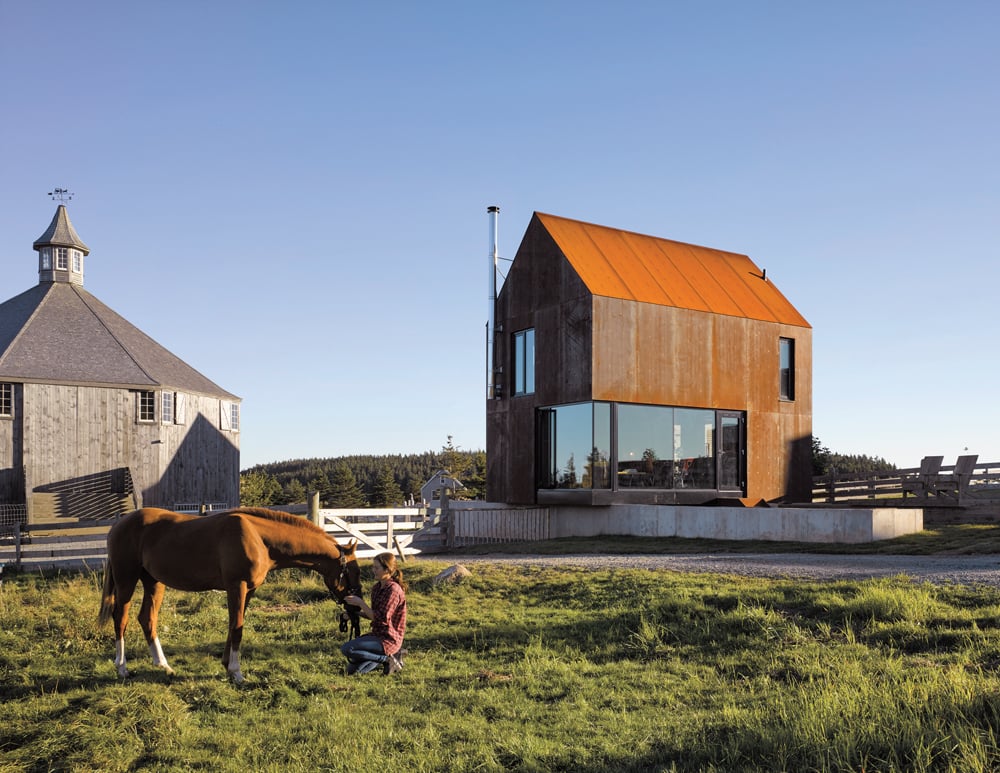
x=493 y=213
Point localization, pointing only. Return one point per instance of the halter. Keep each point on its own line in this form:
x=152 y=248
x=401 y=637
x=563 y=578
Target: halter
x=350 y=612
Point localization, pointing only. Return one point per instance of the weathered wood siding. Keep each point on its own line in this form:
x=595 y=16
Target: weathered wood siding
x=73 y=431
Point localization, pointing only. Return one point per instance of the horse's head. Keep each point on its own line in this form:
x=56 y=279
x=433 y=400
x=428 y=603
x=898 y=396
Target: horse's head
x=345 y=577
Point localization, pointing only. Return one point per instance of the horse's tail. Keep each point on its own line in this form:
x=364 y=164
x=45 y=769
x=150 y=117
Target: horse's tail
x=108 y=597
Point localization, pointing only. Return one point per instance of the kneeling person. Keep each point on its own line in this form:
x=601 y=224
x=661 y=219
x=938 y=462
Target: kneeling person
x=381 y=647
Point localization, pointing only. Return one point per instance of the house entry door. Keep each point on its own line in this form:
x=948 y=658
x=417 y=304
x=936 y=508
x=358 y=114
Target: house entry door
x=732 y=451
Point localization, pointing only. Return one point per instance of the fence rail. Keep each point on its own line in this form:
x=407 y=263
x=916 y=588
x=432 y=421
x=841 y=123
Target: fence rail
x=913 y=486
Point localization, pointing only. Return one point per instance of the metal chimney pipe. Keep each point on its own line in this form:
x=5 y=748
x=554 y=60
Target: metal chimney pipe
x=493 y=213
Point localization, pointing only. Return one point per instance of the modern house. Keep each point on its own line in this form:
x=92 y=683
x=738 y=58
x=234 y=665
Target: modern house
x=630 y=369
x=95 y=416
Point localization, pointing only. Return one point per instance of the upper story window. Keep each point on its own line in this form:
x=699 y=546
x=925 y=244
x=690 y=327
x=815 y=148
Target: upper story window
x=229 y=416
x=524 y=362
x=62 y=258
x=146 y=406
x=167 y=407
x=77 y=261
x=786 y=382
x=46 y=258
x=6 y=400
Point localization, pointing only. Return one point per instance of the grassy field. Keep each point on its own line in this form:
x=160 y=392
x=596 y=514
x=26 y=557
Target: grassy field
x=529 y=669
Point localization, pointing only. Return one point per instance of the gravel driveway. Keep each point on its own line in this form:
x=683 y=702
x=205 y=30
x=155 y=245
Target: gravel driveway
x=964 y=570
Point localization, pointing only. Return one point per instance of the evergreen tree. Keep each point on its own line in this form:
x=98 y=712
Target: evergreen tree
x=321 y=483
x=344 y=490
x=386 y=492
x=294 y=493
x=258 y=489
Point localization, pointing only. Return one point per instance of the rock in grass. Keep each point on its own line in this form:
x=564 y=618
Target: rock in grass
x=453 y=574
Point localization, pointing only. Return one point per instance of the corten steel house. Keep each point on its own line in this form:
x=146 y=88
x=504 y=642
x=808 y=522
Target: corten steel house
x=634 y=369
x=95 y=417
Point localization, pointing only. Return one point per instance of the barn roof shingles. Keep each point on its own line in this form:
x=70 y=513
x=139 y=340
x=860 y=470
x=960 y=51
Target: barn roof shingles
x=647 y=269
x=60 y=333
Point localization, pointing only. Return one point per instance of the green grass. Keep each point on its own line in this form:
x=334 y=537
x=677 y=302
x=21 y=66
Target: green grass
x=518 y=668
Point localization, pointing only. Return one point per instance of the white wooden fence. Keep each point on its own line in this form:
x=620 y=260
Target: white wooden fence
x=406 y=531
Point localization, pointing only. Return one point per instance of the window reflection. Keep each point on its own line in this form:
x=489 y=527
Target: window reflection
x=578 y=440
x=659 y=447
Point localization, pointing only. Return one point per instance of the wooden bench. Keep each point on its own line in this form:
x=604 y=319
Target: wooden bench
x=955 y=485
x=921 y=484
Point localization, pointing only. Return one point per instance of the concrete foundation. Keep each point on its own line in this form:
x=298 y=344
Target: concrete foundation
x=784 y=524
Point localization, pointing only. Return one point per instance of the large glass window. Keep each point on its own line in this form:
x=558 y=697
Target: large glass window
x=787 y=369
x=524 y=362
x=575 y=445
x=655 y=447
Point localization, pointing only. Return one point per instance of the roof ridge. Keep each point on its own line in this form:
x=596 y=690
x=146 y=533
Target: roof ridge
x=110 y=332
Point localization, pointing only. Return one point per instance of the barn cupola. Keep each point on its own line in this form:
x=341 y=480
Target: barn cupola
x=60 y=251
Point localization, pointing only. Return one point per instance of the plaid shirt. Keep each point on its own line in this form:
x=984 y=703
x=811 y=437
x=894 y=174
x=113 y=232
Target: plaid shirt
x=389 y=621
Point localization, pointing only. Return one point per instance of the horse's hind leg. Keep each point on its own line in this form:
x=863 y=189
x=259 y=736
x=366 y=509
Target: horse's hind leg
x=119 y=615
x=149 y=615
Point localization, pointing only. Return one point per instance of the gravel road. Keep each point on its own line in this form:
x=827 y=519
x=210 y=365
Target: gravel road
x=964 y=570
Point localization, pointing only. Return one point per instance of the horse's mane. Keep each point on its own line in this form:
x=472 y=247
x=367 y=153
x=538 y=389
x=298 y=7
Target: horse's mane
x=274 y=515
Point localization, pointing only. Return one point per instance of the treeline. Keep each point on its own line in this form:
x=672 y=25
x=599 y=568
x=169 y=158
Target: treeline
x=361 y=480
x=826 y=461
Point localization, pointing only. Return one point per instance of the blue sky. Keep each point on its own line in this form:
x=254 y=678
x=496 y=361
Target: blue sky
x=292 y=196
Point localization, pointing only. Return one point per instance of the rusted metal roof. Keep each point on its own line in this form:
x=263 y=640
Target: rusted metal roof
x=622 y=264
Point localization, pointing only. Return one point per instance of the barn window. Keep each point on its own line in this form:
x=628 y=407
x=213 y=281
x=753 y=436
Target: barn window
x=524 y=362
x=167 y=407
x=229 y=416
x=6 y=400
x=62 y=258
x=146 y=406
x=46 y=258
x=77 y=261
x=787 y=369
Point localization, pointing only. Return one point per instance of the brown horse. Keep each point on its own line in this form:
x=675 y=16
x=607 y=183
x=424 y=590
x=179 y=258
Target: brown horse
x=231 y=550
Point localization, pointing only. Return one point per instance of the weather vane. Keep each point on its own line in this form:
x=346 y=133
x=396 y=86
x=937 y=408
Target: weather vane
x=60 y=194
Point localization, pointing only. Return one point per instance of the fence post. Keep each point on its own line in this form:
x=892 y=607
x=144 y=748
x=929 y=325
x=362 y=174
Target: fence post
x=314 y=508
x=17 y=546
x=449 y=524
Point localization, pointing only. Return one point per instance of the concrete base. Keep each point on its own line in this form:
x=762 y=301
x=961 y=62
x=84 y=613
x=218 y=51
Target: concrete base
x=780 y=524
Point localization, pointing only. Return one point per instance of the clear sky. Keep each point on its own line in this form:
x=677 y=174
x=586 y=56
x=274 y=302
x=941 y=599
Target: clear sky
x=292 y=196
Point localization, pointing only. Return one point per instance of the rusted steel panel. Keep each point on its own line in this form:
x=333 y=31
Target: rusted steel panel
x=623 y=264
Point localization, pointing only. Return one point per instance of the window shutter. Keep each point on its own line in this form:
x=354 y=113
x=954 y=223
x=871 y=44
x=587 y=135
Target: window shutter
x=180 y=403
x=225 y=416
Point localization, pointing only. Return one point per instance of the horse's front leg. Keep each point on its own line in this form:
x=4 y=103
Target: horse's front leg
x=149 y=615
x=238 y=597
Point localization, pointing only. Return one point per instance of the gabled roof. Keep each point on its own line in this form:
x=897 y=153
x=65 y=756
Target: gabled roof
x=59 y=333
x=622 y=264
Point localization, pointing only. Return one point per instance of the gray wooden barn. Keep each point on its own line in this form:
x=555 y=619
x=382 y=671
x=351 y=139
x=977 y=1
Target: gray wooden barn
x=95 y=416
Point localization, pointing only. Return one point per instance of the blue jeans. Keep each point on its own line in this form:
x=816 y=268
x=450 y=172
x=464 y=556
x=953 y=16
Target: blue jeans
x=364 y=654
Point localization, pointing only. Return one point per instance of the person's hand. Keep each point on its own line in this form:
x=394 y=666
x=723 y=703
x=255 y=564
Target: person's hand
x=354 y=601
